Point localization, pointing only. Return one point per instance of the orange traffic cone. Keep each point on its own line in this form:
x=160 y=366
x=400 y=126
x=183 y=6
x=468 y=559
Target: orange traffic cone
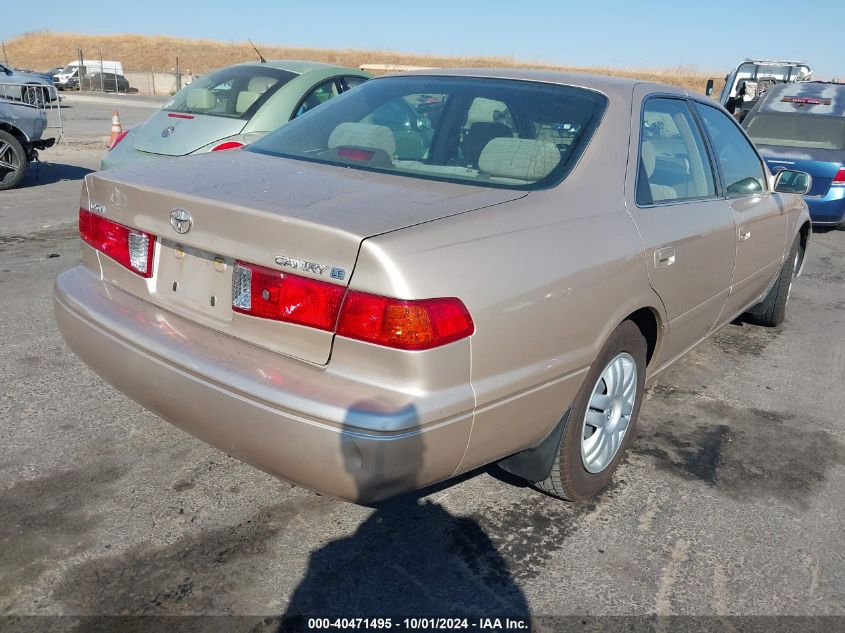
x=115 y=128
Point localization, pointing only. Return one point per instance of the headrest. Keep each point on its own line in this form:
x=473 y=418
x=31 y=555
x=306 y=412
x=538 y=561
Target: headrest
x=363 y=135
x=200 y=99
x=518 y=158
x=484 y=110
x=649 y=157
x=260 y=84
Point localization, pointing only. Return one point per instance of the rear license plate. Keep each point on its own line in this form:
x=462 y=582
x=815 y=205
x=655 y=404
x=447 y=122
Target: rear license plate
x=195 y=280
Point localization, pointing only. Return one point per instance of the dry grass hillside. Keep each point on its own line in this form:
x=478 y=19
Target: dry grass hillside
x=42 y=50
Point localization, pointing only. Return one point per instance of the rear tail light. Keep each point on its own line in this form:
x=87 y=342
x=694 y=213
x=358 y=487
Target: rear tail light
x=401 y=324
x=227 y=145
x=119 y=138
x=271 y=294
x=130 y=248
x=411 y=325
x=839 y=178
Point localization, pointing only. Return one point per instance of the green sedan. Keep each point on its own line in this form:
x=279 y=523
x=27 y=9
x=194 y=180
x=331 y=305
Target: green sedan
x=231 y=107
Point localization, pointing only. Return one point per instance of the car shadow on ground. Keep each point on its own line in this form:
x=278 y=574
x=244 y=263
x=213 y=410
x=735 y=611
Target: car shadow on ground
x=410 y=559
x=40 y=174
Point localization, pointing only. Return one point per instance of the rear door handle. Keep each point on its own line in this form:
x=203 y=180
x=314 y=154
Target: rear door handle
x=744 y=233
x=664 y=257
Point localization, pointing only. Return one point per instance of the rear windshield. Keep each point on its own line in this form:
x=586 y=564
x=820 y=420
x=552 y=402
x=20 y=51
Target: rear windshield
x=812 y=131
x=235 y=92
x=494 y=132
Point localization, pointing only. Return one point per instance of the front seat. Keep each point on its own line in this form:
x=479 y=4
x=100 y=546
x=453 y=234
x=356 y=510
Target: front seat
x=648 y=156
x=479 y=134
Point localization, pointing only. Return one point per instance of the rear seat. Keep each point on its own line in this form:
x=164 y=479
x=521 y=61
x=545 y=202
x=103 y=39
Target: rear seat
x=518 y=159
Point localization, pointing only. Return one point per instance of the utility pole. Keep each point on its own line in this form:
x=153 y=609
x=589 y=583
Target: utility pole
x=5 y=56
x=80 y=70
x=178 y=76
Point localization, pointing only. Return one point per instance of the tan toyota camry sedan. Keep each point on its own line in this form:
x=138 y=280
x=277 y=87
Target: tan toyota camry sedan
x=432 y=272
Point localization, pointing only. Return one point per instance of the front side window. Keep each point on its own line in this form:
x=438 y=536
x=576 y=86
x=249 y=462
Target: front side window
x=235 y=92
x=738 y=161
x=493 y=132
x=673 y=160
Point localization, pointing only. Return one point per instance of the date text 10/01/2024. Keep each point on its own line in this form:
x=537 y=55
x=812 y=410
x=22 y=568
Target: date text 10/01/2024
x=485 y=624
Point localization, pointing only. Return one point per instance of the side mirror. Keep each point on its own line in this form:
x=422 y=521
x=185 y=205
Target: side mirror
x=708 y=90
x=789 y=181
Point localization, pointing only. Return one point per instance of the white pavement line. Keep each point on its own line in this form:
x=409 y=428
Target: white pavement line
x=135 y=103
x=669 y=577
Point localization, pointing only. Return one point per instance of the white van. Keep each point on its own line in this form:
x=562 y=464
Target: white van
x=70 y=73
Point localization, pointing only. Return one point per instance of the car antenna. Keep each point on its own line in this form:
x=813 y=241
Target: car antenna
x=260 y=56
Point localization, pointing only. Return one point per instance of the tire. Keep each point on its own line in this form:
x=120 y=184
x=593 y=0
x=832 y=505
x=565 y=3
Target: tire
x=574 y=477
x=771 y=311
x=35 y=95
x=12 y=153
x=840 y=226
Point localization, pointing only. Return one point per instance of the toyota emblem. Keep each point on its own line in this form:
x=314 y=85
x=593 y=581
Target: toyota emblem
x=181 y=221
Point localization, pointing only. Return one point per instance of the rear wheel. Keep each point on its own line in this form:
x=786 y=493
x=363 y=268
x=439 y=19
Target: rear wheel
x=771 y=311
x=840 y=226
x=601 y=423
x=13 y=161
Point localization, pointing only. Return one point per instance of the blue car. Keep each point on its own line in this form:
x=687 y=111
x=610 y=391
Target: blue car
x=802 y=126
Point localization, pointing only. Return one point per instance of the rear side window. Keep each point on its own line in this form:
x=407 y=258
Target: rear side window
x=235 y=92
x=673 y=160
x=738 y=161
x=352 y=80
x=317 y=96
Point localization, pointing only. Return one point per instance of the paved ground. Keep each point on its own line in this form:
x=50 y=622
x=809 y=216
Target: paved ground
x=731 y=501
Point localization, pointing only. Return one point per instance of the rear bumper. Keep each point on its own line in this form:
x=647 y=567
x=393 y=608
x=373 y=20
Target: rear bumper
x=829 y=209
x=291 y=419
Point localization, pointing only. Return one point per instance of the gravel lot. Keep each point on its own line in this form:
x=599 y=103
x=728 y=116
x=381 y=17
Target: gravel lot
x=730 y=502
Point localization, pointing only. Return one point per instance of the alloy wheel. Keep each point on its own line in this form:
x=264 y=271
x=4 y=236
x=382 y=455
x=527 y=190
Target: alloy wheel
x=609 y=413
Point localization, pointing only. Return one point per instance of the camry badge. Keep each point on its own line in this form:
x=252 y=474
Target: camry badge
x=310 y=267
x=167 y=131
x=181 y=221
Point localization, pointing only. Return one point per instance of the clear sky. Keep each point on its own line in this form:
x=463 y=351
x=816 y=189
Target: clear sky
x=711 y=35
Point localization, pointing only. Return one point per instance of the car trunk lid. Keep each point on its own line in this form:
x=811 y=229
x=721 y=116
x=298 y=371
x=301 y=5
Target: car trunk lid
x=288 y=215
x=180 y=133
